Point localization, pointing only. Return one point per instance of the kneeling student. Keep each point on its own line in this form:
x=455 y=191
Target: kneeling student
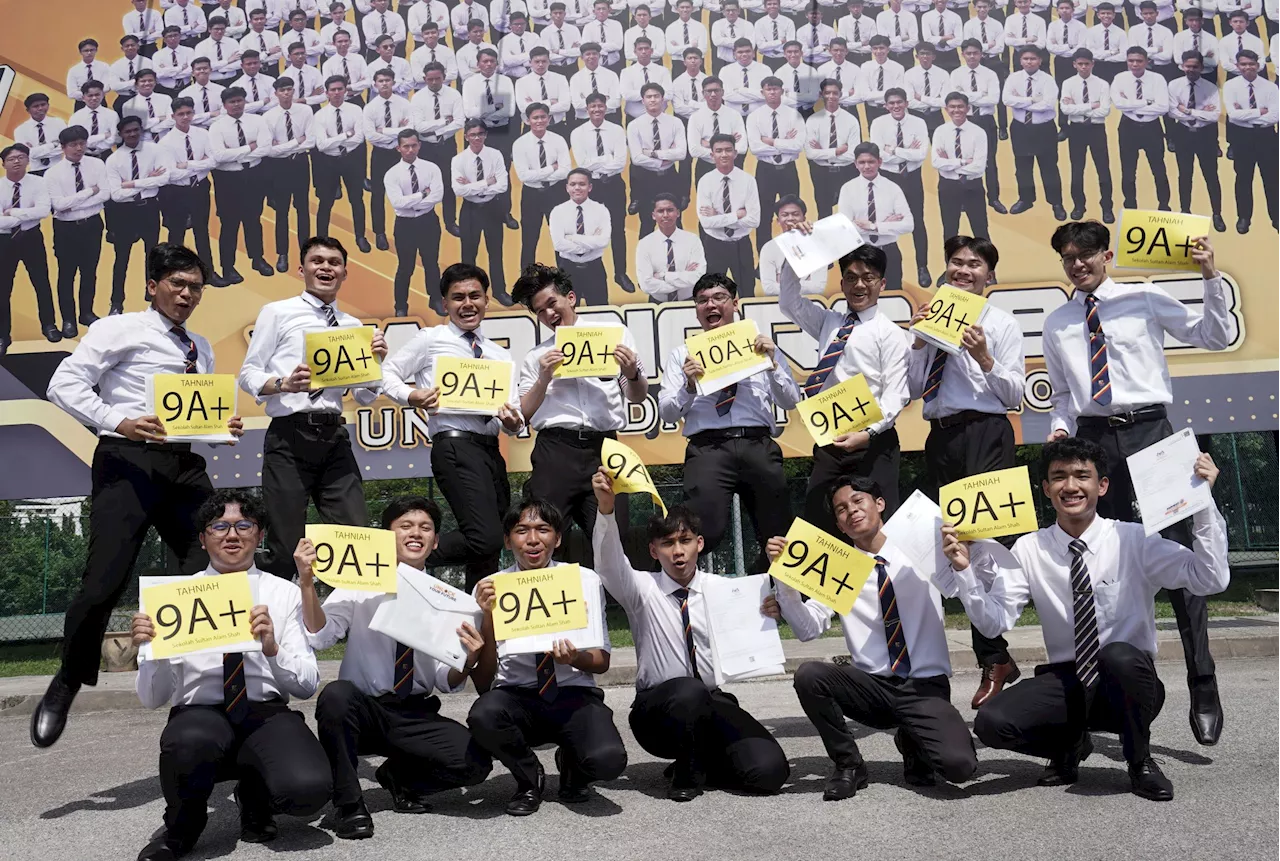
x=899 y=678
x=1093 y=581
x=383 y=703
x=230 y=716
x=544 y=697
x=678 y=712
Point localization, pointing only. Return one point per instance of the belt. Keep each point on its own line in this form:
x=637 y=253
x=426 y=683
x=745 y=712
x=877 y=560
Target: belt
x=708 y=437
x=313 y=418
x=143 y=202
x=834 y=168
x=79 y=221
x=608 y=177
x=477 y=438
x=579 y=434
x=1151 y=413
x=963 y=417
x=124 y=442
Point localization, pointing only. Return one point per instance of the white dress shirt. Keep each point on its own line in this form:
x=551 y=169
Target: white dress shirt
x=146 y=25
x=1135 y=319
x=878 y=77
x=474 y=190
x=1236 y=95
x=43 y=155
x=601 y=150
x=399 y=182
x=266 y=43
x=234 y=18
x=973 y=151
x=374 y=120
x=224 y=141
x=154 y=111
x=282 y=146
x=634 y=78
x=686 y=94
x=789 y=141
x=1153 y=103
x=513 y=53
x=1064 y=38
x=876 y=348
x=32 y=207
x=671 y=139
x=438 y=115
x=854 y=204
x=353 y=68
x=197 y=168
x=592 y=242
x=260 y=94
x=1039 y=107
x=223 y=55
x=771 y=261
x=67 y=203
x=908 y=157
x=753 y=402
x=664 y=281
x=927 y=89
x=723 y=36
x=1156 y=39
x=331 y=142
x=818 y=131
x=1208 y=108
x=742 y=85
x=491 y=99
x=278 y=345
x=463 y=13
x=122 y=72
x=208 y=103
x=564 y=43
x=441 y=54
x=816 y=41
x=427 y=10
x=173 y=66
x=1031 y=24
x=601 y=80
x=120 y=171
x=1108 y=44
x=308 y=83
x=530 y=90
x=118 y=356
x=919 y=605
x=982 y=87
x=1204 y=42
x=965 y=386
x=743 y=194
x=847 y=74
x=857 y=32
x=590 y=403
x=375 y=25
x=1082 y=110
x=799 y=85
x=106 y=136
x=399 y=66
x=901 y=29
x=608 y=35
x=944 y=31
x=81 y=73
x=681 y=35
x=990 y=33
x=703 y=124
x=190 y=19
x=653 y=33
x=1126 y=569
x=197 y=680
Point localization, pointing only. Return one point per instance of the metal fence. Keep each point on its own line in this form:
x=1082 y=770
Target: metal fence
x=43 y=545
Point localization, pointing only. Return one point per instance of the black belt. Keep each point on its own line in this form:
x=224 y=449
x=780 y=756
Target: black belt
x=124 y=442
x=313 y=418
x=79 y=221
x=1152 y=413
x=834 y=168
x=146 y=201
x=477 y=438
x=710 y=437
x=591 y=436
x=961 y=418
x=612 y=177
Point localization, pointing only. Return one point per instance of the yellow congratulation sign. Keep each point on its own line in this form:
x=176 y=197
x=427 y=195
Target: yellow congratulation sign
x=543 y=601
x=727 y=355
x=588 y=350
x=822 y=566
x=479 y=386
x=841 y=409
x=950 y=313
x=342 y=357
x=353 y=557
x=197 y=613
x=1159 y=240
x=628 y=471
x=194 y=405
x=990 y=505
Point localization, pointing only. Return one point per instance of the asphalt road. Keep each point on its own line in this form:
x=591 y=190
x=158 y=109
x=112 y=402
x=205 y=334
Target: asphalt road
x=95 y=796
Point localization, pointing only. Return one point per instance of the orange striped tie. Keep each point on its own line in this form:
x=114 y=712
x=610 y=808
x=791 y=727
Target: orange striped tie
x=548 y=687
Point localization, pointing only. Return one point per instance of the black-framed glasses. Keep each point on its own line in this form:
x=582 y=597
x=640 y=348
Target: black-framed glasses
x=1082 y=257
x=222 y=527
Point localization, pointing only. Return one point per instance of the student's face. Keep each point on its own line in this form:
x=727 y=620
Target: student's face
x=1066 y=11
x=744 y=55
x=557 y=17
x=772 y=96
x=789 y=215
x=171 y=40
x=692 y=65
x=553 y=308
x=1137 y=64
x=831 y=98
x=323 y=270
x=517 y=26
x=685 y=11
x=596 y=111
x=1193 y=24
x=131 y=134
x=386 y=49
x=92 y=98
x=579 y=188
x=602 y=12
x=644 y=53
x=297 y=57
x=941 y=5
x=466 y=303
x=1074 y=488
x=408 y=148
x=715 y=307
x=431 y=38
x=880 y=53
x=677 y=554
x=1023 y=6
x=731 y=14
x=1106 y=16
x=38 y=111
x=665 y=215
x=284 y=96
x=1248 y=68
x=1084 y=67
x=714 y=95
x=217 y=31
x=642 y=18
x=486 y=64
x=1030 y=62
x=724 y=153
x=258 y=22
x=968 y=271
x=794 y=55
x=532 y=541
x=855 y=10
x=182 y=118
x=251 y=66
x=897 y=107
x=130 y=50
x=145 y=85
x=342 y=43
x=653 y=102
x=591 y=59
x=336 y=92
x=983 y=10
x=540 y=64
x=958 y=111
x=1085 y=268
x=74 y=151
x=861 y=286
x=177 y=294
x=140 y=5
x=475 y=139
x=838 y=53
x=926 y=58
x=972 y=57
x=228 y=549
x=88 y=53
x=383 y=85
x=416 y=538
x=475 y=35
x=814 y=15
x=857 y=514
x=538 y=121
x=868 y=165
x=1193 y=69
x=1148 y=15
x=15 y=164
x=435 y=80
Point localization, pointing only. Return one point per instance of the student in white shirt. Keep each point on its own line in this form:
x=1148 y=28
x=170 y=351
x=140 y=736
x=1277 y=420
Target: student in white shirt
x=728 y=209
x=100 y=122
x=415 y=188
x=959 y=154
x=636 y=77
x=144 y=25
x=680 y=712
x=580 y=233
x=595 y=78
x=1107 y=41
x=381 y=22
x=1143 y=100
x=726 y=34
x=563 y=42
x=669 y=261
x=649 y=31
x=172 y=62
x=773 y=30
x=24 y=204
x=846 y=72
x=815 y=36
x=790 y=211
x=686 y=88
x=438 y=116
x=983 y=88
x=383 y=701
x=858 y=30
x=904 y=145
x=77 y=191
x=259 y=93
x=234 y=16
x=1195 y=108
x=903 y=31
x=339 y=156
x=800 y=81
x=542 y=162
x=879 y=209
x=1065 y=36
x=686 y=32
x=124 y=69
x=1086 y=103
x=350 y=66
x=1253 y=104
x=514 y=48
x=1193 y=37
x=431 y=51
x=607 y=33
x=265 y=42
x=289 y=170
x=1032 y=97
x=383 y=48
x=776 y=137
x=39 y=132
x=902 y=685
x=491 y=98
x=189 y=19
x=223 y=52
x=152 y=108
x=90 y=68
x=185 y=199
x=714 y=117
x=600 y=147
x=943 y=29
x=656 y=142
x=879 y=74
x=338 y=24
x=238 y=141
x=307 y=79
x=135 y=173
x=927 y=87
x=480 y=177
x=552 y=91
x=230 y=715
x=461 y=16
x=144 y=480
x=1093 y=581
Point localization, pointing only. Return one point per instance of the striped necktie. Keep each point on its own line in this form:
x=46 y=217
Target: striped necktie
x=934 y=381
x=235 y=696
x=192 y=359
x=413 y=179
x=671 y=256
x=894 y=636
x=1085 y=612
x=1100 y=381
x=725 y=402
x=403 y=677
x=871 y=209
x=581 y=223
x=79 y=176
x=474 y=340
x=827 y=364
x=548 y=687
x=682 y=595
x=727 y=205
x=331 y=320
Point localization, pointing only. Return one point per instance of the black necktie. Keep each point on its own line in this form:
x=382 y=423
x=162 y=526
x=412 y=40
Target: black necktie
x=133 y=166
x=542 y=153
x=413 y=178
x=186 y=140
x=682 y=596
x=192 y=359
x=832 y=140
x=288 y=125
x=726 y=204
x=599 y=143
x=437 y=105
x=671 y=256
x=479 y=169
x=581 y=225
x=240 y=133
x=402 y=682
x=79 y=176
x=204 y=91
x=40 y=138
x=899 y=140
x=1084 y=612
x=386 y=114
x=337 y=121
x=724 y=403
x=871 y=208
x=235 y=696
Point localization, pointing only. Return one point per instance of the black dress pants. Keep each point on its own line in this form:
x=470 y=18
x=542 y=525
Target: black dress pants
x=535 y=208
x=1256 y=147
x=472 y=475
x=509 y=722
x=332 y=171
x=485 y=218
x=733 y=258
x=1036 y=143
x=919 y=709
x=135 y=486
x=1197 y=145
x=913 y=190
x=181 y=205
x=278 y=763
x=1046 y=716
x=381 y=159
x=441 y=155
x=417 y=238
x=708 y=734
x=425 y=752
x=958 y=197
x=773 y=181
x=304 y=462
x=987 y=122
x=645 y=186
x=27 y=248
x=1142 y=138
x=827 y=182
x=239 y=194
x=563 y=464
x=1089 y=139
x=77 y=246
x=878 y=461
x=291 y=187
x=590 y=284
x=611 y=192
x=131 y=222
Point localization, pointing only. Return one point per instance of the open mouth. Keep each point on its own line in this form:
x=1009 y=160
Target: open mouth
x=326 y=276
x=1072 y=499
x=467 y=313
x=414 y=545
x=714 y=317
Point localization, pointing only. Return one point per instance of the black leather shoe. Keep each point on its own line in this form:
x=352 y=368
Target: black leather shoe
x=69 y=329
x=5 y=341
x=256 y=825
x=1077 y=213
x=1164 y=207
x=231 y=276
x=1066 y=771
x=282 y=262
x=937 y=282
x=363 y=245
x=87 y=319
x=997 y=206
x=1062 y=134
x=1218 y=224
x=572 y=790
x=1059 y=213
x=115 y=310
x=1003 y=134
x=402 y=799
x=52 y=333
x=1242 y=225
x=1108 y=216
x=1019 y=207
x=50 y=717
x=401 y=312
x=1206 y=711
x=164 y=847
x=353 y=822
x=380 y=241
x=1148 y=781
x=624 y=281
x=216 y=280
x=527 y=801
x=633 y=208
x=368 y=186
x=504 y=298
x=916 y=770
x=845 y=783
x=263 y=268
x=1231 y=153
x=511 y=223
x=452 y=230
x=923 y=278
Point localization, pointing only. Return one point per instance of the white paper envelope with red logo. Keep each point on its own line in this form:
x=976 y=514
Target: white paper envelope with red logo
x=426 y=614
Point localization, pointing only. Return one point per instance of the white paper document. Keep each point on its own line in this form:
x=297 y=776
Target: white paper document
x=744 y=642
x=426 y=614
x=144 y=651
x=916 y=530
x=590 y=637
x=832 y=238
x=1165 y=482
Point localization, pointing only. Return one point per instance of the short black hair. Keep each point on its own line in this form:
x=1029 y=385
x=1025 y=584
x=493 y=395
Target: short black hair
x=182 y=102
x=870 y=255
x=535 y=278
x=1086 y=54
x=721 y=138
x=677 y=519
x=791 y=200
x=282 y=82
x=711 y=280
x=539 y=507
x=166 y=258
x=1085 y=235
x=401 y=505
x=251 y=507
x=34 y=99
x=858 y=483
x=866 y=148
x=233 y=93
x=73 y=133
x=981 y=246
x=92 y=85
x=459 y=272
x=128 y=121
x=1073 y=449
x=405 y=134
x=322 y=242
x=15 y=147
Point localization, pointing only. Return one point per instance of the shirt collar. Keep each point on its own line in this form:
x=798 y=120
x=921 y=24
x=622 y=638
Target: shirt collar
x=460 y=333
x=156 y=320
x=669 y=586
x=209 y=572
x=1092 y=536
x=315 y=302
x=1106 y=290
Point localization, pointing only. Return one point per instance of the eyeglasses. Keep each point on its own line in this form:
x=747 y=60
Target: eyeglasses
x=713 y=299
x=222 y=527
x=1082 y=257
x=868 y=279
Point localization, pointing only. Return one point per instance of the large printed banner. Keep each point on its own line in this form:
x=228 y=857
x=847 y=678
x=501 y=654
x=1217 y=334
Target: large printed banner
x=48 y=454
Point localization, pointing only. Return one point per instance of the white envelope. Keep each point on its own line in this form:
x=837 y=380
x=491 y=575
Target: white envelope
x=426 y=614
x=916 y=530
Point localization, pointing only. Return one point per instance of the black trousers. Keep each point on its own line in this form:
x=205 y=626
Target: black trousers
x=1142 y=138
x=240 y=194
x=502 y=138
x=1036 y=143
x=1120 y=503
x=645 y=186
x=135 y=486
x=131 y=222
x=562 y=469
x=28 y=249
x=304 y=463
x=892 y=266
x=919 y=709
x=1256 y=148
x=716 y=468
x=425 y=752
x=589 y=280
x=380 y=161
x=473 y=478
x=1197 y=145
x=279 y=765
x=417 y=239
x=332 y=171
x=1046 y=716
x=441 y=155
x=485 y=218
x=733 y=258
x=611 y=192
x=706 y=732
x=962 y=196
x=913 y=190
x=773 y=181
x=878 y=461
x=1089 y=139
x=956 y=452
x=181 y=205
x=509 y=722
x=988 y=124
x=291 y=187
x=827 y=182
x=535 y=208
x=77 y=246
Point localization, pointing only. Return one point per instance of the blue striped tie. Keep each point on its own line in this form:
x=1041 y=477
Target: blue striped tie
x=1100 y=382
x=1086 y=619
x=895 y=638
x=934 y=381
x=682 y=595
x=725 y=402
x=814 y=384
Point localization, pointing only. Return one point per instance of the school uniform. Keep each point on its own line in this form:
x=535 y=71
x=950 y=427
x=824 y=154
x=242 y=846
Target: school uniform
x=668 y=267
x=725 y=234
x=653 y=173
x=240 y=184
x=22 y=241
x=77 y=232
x=484 y=207
x=602 y=150
x=983 y=88
x=1087 y=136
x=1255 y=136
x=904 y=146
x=1033 y=100
x=824 y=134
x=415 y=189
x=775 y=171
x=1194 y=131
x=1142 y=101
x=135 y=212
x=289 y=163
x=438 y=116
x=542 y=164
x=185 y=200
x=959 y=154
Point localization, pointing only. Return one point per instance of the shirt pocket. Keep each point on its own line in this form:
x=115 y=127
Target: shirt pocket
x=1107 y=599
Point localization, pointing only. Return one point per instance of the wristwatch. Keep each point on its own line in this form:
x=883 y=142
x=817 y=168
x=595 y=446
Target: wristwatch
x=279 y=385
x=871 y=434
